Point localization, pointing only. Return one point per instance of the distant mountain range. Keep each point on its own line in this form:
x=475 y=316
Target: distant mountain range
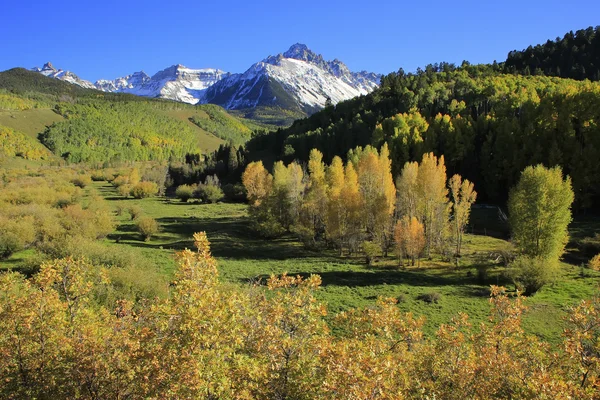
x=298 y=80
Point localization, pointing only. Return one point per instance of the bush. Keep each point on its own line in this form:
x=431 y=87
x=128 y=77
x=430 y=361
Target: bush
x=235 y=193
x=590 y=245
x=120 y=181
x=432 y=297
x=147 y=226
x=184 y=192
x=144 y=189
x=371 y=249
x=595 y=263
x=81 y=181
x=158 y=175
x=124 y=190
x=209 y=193
x=530 y=274
x=98 y=176
x=15 y=235
x=135 y=212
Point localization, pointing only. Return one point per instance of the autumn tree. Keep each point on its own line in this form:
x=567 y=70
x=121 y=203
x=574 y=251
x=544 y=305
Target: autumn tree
x=433 y=207
x=407 y=189
x=409 y=236
x=258 y=183
x=463 y=196
x=259 y=187
x=312 y=219
x=336 y=217
x=378 y=192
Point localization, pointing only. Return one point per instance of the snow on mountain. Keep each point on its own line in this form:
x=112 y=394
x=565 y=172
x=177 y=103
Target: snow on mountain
x=179 y=83
x=123 y=84
x=301 y=76
x=296 y=79
x=175 y=83
x=67 y=76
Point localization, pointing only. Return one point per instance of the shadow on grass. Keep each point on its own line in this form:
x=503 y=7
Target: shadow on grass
x=383 y=277
x=229 y=238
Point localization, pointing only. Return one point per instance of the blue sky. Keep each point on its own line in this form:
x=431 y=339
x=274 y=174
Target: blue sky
x=109 y=39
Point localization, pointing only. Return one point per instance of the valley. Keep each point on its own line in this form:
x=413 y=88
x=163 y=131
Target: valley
x=302 y=231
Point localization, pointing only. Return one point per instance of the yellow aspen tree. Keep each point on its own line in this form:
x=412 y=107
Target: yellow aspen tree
x=379 y=194
x=280 y=200
x=352 y=203
x=335 y=221
x=335 y=177
x=386 y=228
x=433 y=207
x=312 y=220
x=463 y=196
x=296 y=189
x=409 y=236
x=258 y=183
x=407 y=190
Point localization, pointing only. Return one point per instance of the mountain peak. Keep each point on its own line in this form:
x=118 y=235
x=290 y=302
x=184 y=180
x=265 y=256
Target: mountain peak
x=301 y=52
x=48 y=65
x=298 y=47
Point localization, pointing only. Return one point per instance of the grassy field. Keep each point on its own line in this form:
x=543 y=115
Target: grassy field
x=244 y=258
x=31 y=122
x=206 y=140
x=347 y=281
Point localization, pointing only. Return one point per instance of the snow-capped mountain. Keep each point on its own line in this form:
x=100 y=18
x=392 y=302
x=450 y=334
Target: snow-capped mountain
x=297 y=79
x=174 y=83
x=128 y=82
x=67 y=76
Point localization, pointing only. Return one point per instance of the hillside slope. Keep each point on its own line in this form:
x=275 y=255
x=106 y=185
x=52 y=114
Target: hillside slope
x=488 y=125
x=81 y=124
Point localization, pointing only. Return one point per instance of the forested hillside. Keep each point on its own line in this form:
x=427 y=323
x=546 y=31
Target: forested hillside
x=103 y=127
x=575 y=55
x=488 y=125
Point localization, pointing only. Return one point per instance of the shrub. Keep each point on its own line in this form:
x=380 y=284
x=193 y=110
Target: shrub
x=595 y=263
x=98 y=176
x=147 y=226
x=209 y=193
x=371 y=249
x=530 y=274
x=124 y=190
x=236 y=193
x=63 y=202
x=432 y=297
x=120 y=181
x=590 y=245
x=135 y=212
x=81 y=181
x=15 y=235
x=158 y=175
x=144 y=189
x=184 y=192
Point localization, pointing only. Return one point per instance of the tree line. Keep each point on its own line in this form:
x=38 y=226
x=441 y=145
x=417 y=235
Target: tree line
x=576 y=55
x=489 y=126
x=357 y=206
